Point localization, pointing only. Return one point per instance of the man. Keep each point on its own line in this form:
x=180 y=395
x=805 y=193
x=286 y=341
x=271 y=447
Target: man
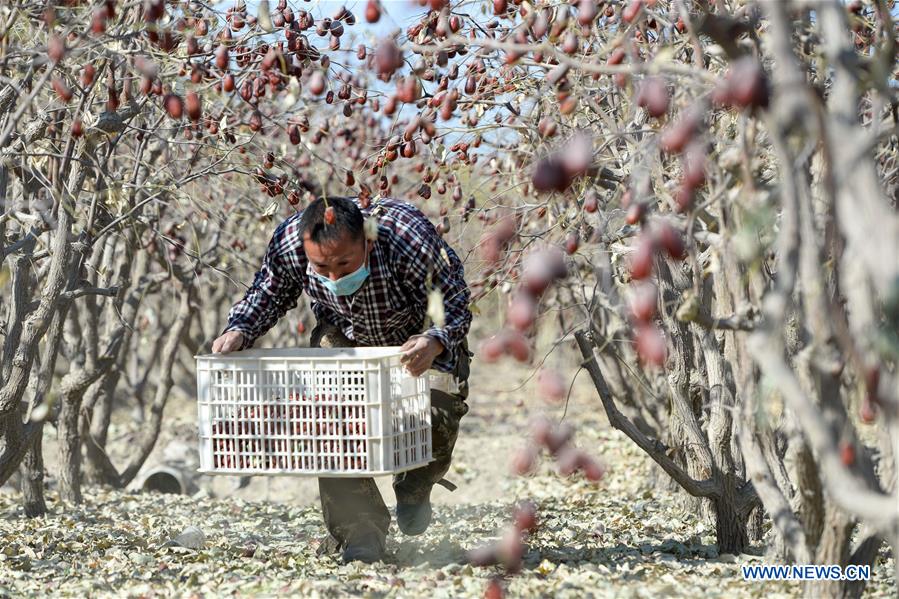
x=369 y=289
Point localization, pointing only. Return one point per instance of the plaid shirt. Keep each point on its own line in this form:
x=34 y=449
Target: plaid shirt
x=409 y=259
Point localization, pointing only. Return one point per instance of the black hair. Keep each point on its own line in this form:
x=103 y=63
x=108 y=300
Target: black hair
x=347 y=219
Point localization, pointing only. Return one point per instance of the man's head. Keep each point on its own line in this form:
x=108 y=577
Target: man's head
x=337 y=249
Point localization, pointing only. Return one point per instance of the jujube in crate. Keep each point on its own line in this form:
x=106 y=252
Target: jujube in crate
x=275 y=435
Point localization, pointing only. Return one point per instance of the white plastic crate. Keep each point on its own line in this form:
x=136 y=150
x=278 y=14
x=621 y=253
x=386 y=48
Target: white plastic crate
x=309 y=411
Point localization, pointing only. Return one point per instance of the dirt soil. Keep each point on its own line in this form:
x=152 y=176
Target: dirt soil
x=621 y=537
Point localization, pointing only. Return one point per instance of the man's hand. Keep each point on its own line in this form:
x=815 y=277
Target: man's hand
x=230 y=341
x=419 y=353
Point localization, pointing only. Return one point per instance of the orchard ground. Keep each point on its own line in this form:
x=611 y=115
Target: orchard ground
x=623 y=537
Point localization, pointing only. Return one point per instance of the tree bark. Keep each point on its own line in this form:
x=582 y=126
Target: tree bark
x=69 y=450
x=730 y=524
x=33 y=475
x=153 y=426
x=15 y=435
x=33 y=464
x=755 y=528
x=655 y=449
x=104 y=468
x=833 y=548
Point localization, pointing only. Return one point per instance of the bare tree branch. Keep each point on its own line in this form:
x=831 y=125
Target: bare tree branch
x=704 y=488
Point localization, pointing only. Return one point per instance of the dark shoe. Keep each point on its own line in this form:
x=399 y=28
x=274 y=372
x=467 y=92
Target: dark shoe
x=367 y=548
x=413 y=518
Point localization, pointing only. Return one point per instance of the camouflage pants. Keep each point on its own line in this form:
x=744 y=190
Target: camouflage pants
x=351 y=506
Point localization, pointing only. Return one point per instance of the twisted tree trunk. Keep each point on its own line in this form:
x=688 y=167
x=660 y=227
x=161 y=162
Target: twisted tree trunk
x=17 y=437
x=33 y=464
x=731 y=500
x=150 y=432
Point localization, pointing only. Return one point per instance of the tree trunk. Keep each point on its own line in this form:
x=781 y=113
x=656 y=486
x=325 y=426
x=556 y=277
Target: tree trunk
x=833 y=548
x=685 y=502
x=102 y=414
x=99 y=400
x=102 y=470
x=865 y=553
x=33 y=476
x=35 y=327
x=72 y=390
x=687 y=439
x=97 y=429
x=70 y=397
x=756 y=526
x=33 y=465
x=70 y=450
x=730 y=525
x=150 y=433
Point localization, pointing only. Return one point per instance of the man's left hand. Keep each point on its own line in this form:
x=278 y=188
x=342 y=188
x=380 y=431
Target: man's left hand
x=419 y=353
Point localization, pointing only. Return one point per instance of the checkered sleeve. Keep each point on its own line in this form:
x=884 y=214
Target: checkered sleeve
x=275 y=290
x=429 y=263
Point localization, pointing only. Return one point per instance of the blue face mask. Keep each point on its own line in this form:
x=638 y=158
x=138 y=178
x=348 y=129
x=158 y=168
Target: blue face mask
x=347 y=285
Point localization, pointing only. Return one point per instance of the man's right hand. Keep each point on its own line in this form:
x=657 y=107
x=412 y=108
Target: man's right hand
x=228 y=342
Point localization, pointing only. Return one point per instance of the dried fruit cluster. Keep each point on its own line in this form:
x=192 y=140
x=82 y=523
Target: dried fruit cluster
x=558 y=171
x=661 y=238
x=557 y=440
x=509 y=550
x=268 y=183
x=539 y=271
